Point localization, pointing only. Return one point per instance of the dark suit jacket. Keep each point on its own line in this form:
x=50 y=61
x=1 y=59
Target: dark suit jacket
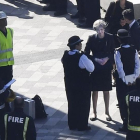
x=114 y=11
x=134 y=32
x=92 y=45
x=114 y=15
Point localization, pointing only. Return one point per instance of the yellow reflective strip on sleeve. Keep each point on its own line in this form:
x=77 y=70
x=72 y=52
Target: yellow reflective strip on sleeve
x=127 y=100
x=7 y=50
x=6 y=60
x=5 y=123
x=133 y=128
x=25 y=128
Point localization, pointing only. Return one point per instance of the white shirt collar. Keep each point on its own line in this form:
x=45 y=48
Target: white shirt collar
x=130 y=25
x=73 y=52
x=125 y=46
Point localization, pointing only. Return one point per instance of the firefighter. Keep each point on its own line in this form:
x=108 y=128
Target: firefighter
x=133 y=104
x=17 y=125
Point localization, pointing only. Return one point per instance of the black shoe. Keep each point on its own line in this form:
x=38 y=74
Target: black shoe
x=108 y=118
x=72 y=128
x=123 y=129
x=81 y=19
x=60 y=13
x=93 y=118
x=49 y=8
x=85 y=129
x=84 y=25
x=75 y=16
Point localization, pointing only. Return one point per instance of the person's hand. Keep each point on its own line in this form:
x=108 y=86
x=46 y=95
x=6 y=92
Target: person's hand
x=122 y=22
x=104 y=60
x=99 y=61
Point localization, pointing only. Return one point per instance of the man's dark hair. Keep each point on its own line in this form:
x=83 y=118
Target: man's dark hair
x=18 y=102
x=128 y=14
x=73 y=46
x=138 y=83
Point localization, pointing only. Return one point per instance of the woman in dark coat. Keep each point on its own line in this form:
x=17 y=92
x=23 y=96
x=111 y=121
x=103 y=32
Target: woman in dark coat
x=114 y=17
x=101 y=45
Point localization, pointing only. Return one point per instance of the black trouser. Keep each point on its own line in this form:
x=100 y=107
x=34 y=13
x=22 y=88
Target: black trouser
x=122 y=89
x=6 y=75
x=133 y=135
x=80 y=7
x=78 y=108
x=60 y=5
x=92 y=11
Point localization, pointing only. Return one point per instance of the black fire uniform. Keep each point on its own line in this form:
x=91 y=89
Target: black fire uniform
x=133 y=104
x=3 y=97
x=18 y=126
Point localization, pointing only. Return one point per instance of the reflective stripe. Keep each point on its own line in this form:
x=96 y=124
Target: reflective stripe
x=127 y=100
x=8 y=50
x=133 y=128
x=2 y=106
x=5 y=60
x=25 y=128
x=5 y=123
x=1 y=91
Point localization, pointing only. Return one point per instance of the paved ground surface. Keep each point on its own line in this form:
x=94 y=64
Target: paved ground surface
x=39 y=42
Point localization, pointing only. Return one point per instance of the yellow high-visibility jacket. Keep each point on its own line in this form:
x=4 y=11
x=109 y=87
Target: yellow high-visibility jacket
x=6 y=48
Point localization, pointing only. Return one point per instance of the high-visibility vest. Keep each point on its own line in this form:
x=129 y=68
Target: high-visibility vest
x=6 y=48
x=24 y=129
x=131 y=127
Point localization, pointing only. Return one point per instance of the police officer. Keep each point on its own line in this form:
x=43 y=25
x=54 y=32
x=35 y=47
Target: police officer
x=133 y=104
x=77 y=68
x=127 y=63
x=17 y=125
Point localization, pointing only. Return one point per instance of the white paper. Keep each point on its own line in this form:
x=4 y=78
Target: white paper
x=9 y=84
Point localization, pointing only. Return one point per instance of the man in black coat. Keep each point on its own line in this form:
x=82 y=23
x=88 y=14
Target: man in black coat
x=133 y=107
x=92 y=13
x=81 y=11
x=134 y=28
x=59 y=6
x=17 y=125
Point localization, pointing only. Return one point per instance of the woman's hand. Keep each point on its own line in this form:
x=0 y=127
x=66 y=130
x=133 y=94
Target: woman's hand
x=104 y=60
x=99 y=61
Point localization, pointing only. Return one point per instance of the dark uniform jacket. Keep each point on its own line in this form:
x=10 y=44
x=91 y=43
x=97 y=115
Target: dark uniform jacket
x=134 y=32
x=114 y=15
x=128 y=59
x=133 y=103
x=18 y=126
x=75 y=77
x=106 y=50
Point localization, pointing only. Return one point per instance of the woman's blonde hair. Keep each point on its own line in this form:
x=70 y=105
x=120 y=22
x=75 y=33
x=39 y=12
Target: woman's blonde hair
x=99 y=23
